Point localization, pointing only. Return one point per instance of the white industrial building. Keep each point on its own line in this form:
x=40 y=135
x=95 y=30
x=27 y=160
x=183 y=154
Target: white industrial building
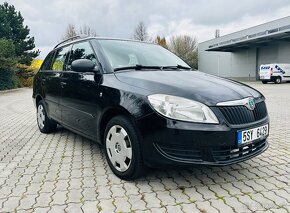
x=240 y=54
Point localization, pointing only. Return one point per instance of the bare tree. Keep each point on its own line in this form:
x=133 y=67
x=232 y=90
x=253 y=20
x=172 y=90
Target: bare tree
x=140 y=32
x=185 y=47
x=69 y=32
x=86 y=30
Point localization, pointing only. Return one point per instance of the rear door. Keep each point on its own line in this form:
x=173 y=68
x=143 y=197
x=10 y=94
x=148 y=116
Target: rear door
x=51 y=83
x=50 y=87
x=80 y=92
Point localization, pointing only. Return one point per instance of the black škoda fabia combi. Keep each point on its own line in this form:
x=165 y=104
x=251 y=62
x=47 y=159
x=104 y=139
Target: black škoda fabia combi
x=147 y=107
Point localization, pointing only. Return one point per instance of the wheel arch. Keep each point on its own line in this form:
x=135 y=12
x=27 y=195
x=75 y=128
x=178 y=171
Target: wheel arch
x=107 y=115
x=37 y=99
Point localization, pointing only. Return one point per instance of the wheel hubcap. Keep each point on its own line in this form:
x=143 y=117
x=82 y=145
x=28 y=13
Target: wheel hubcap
x=119 y=148
x=40 y=116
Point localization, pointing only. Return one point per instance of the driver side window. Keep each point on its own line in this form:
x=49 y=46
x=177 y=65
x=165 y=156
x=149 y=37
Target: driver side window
x=82 y=50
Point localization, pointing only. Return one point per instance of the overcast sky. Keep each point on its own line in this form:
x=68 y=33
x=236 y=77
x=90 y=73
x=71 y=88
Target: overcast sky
x=48 y=19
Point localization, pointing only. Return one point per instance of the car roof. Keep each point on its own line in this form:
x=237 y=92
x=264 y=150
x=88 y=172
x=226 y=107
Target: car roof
x=84 y=38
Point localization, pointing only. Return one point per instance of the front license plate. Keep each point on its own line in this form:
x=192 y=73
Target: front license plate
x=265 y=77
x=249 y=135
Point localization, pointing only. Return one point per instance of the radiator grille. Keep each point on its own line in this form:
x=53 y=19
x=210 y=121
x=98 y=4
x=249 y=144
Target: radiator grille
x=242 y=115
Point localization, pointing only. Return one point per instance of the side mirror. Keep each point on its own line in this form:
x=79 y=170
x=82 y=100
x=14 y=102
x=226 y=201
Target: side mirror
x=83 y=65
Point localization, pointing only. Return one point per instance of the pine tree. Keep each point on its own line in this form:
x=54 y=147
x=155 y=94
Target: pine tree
x=7 y=64
x=13 y=28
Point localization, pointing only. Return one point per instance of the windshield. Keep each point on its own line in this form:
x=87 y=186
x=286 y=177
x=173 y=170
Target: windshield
x=129 y=53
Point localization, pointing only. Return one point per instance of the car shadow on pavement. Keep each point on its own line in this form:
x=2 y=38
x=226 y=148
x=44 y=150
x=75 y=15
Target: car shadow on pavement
x=182 y=176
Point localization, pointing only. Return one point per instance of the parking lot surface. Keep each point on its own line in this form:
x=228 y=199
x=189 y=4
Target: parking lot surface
x=64 y=172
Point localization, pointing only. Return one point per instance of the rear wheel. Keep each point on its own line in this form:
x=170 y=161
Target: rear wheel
x=278 y=80
x=45 y=124
x=123 y=151
x=264 y=82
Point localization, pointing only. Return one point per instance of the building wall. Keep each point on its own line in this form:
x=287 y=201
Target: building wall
x=215 y=63
x=268 y=54
x=239 y=64
x=243 y=63
x=275 y=53
x=242 y=35
x=284 y=52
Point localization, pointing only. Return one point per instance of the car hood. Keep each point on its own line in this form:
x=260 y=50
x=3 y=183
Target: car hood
x=194 y=85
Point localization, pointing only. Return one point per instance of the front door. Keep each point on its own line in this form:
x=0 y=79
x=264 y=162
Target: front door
x=80 y=93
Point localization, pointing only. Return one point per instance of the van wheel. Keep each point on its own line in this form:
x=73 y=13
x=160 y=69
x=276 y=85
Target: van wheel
x=45 y=124
x=123 y=151
x=278 y=80
x=264 y=82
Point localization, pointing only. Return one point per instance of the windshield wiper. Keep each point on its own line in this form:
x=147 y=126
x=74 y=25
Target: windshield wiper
x=137 y=67
x=142 y=67
x=178 y=66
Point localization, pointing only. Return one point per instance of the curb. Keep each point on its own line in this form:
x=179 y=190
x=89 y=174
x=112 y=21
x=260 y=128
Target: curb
x=9 y=90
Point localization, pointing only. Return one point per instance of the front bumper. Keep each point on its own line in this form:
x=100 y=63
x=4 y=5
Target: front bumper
x=169 y=142
x=272 y=78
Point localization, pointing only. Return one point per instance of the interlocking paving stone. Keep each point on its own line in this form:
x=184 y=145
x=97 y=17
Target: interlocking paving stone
x=57 y=209
x=189 y=208
x=63 y=171
x=90 y=206
x=122 y=204
x=107 y=205
x=137 y=202
x=205 y=206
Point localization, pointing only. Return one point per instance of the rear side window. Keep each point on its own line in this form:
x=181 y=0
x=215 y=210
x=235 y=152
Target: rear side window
x=47 y=62
x=60 y=59
x=82 y=50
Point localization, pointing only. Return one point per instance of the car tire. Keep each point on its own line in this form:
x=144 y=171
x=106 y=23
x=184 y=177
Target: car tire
x=122 y=148
x=278 y=80
x=264 y=82
x=45 y=124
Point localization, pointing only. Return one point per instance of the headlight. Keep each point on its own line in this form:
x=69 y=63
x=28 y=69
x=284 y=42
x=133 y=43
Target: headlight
x=182 y=109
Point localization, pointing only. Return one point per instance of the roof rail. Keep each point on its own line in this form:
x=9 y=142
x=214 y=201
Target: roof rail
x=71 y=39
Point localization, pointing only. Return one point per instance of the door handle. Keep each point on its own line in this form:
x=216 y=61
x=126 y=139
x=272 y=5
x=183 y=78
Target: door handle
x=62 y=84
x=43 y=81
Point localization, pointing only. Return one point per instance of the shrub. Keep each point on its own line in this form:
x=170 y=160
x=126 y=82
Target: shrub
x=27 y=80
x=8 y=79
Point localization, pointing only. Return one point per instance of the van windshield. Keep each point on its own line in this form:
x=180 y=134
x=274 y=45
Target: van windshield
x=130 y=54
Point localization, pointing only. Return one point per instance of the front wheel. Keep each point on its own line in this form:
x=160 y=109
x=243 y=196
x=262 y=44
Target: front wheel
x=123 y=151
x=45 y=124
x=278 y=80
x=264 y=82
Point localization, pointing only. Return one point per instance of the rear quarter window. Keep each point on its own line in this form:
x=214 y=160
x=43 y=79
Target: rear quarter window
x=47 y=62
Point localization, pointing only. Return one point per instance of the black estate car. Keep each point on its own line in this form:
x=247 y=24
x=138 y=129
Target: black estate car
x=147 y=106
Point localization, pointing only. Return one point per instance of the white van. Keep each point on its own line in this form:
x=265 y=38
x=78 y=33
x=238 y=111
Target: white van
x=274 y=73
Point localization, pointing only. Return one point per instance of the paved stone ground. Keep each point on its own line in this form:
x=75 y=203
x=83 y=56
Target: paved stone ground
x=64 y=172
